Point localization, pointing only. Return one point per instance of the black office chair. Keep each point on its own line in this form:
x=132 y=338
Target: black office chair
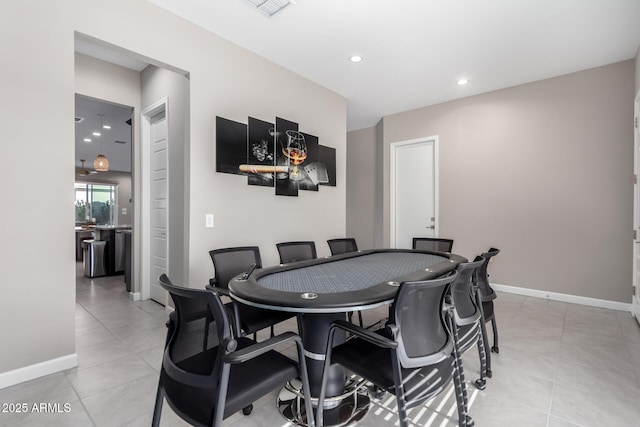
x=208 y=373
x=487 y=295
x=413 y=357
x=296 y=251
x=432 y=244
x=342 y=246
x=468 y=315
x=228 y=263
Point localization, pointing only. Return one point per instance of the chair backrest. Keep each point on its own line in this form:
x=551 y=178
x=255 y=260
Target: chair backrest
x=432 y=244
x=191 y=364
x=229 y=262
x=466 y=310
x=342 y=246
x=423 y=333
x=296 y=251
x=483 y=276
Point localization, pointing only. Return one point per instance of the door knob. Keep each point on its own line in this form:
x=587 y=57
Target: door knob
x=431 y=227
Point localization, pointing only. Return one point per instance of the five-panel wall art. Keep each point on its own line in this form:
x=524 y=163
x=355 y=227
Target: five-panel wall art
x=274 y=155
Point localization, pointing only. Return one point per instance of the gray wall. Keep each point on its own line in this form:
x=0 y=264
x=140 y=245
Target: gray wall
x=542 y=171
x=158 y=83
x=378 y=217
x=225 y=81
x=361 y=154
x=37 y=305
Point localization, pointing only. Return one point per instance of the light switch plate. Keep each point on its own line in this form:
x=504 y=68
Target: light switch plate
x=209 y=220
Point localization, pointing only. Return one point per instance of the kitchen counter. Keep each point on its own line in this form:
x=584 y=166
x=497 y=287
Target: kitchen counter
x=113 y=227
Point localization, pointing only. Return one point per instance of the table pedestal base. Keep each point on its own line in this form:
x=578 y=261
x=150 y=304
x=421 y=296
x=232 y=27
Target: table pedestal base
x=340 y=411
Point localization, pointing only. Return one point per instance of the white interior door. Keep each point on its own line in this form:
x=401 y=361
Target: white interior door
x=413 y=191
x=159 y=204
x=635 y=305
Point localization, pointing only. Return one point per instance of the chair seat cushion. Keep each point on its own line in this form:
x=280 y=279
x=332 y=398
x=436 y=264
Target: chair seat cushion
x=253 y=379
x=374 y=363
x=468 y=336
x=247 y=382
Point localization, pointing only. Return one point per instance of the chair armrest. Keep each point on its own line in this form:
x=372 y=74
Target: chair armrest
x=255 y=350
x=365 y=334
x=487 y=298
x=220 y=291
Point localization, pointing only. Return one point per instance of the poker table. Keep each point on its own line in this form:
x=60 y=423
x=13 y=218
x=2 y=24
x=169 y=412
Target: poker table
x=325 y=289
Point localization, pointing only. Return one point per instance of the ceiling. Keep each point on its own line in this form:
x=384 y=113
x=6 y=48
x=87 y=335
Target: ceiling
x=114 y=115
x=415 y=50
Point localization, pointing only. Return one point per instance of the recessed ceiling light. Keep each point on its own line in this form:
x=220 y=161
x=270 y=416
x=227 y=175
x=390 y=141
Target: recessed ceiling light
x=106 y=127
x=355 y=58
x=87 y=140
x=96 y=134
x=462 y=82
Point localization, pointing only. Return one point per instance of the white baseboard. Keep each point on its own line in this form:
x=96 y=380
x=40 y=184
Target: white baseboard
x=134 y=296
x=38 y=370
x=573 y=299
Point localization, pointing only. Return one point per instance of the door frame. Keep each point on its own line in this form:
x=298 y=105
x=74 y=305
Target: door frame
x=392 y=184
x=635 y=299
x=145 y=248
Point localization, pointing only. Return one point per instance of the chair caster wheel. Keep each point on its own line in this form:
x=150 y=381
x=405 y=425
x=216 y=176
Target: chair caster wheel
x=489 y=373
x=470 y=422
x=481 y=384
x=247 y=409
x=495 y=349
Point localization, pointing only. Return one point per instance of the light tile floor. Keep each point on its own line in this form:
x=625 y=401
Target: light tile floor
x=559 y=365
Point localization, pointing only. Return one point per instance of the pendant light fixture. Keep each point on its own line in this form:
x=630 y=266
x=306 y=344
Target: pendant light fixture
x=101 y=163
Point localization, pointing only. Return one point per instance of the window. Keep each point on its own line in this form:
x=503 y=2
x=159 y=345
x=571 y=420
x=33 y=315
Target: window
x=95 y=201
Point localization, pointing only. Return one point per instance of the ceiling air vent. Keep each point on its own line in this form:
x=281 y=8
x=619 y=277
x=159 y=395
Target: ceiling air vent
x=270 y=7
x=78 y=119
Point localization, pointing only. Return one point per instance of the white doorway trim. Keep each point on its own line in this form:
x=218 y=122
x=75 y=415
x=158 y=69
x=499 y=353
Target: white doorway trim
x=635 y=298
x=145 y=235
x=392 y=184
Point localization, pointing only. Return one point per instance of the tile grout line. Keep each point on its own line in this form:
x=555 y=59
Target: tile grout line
x=636 y=368
x=117 y=337
x=555 y=377
x=79 y=399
